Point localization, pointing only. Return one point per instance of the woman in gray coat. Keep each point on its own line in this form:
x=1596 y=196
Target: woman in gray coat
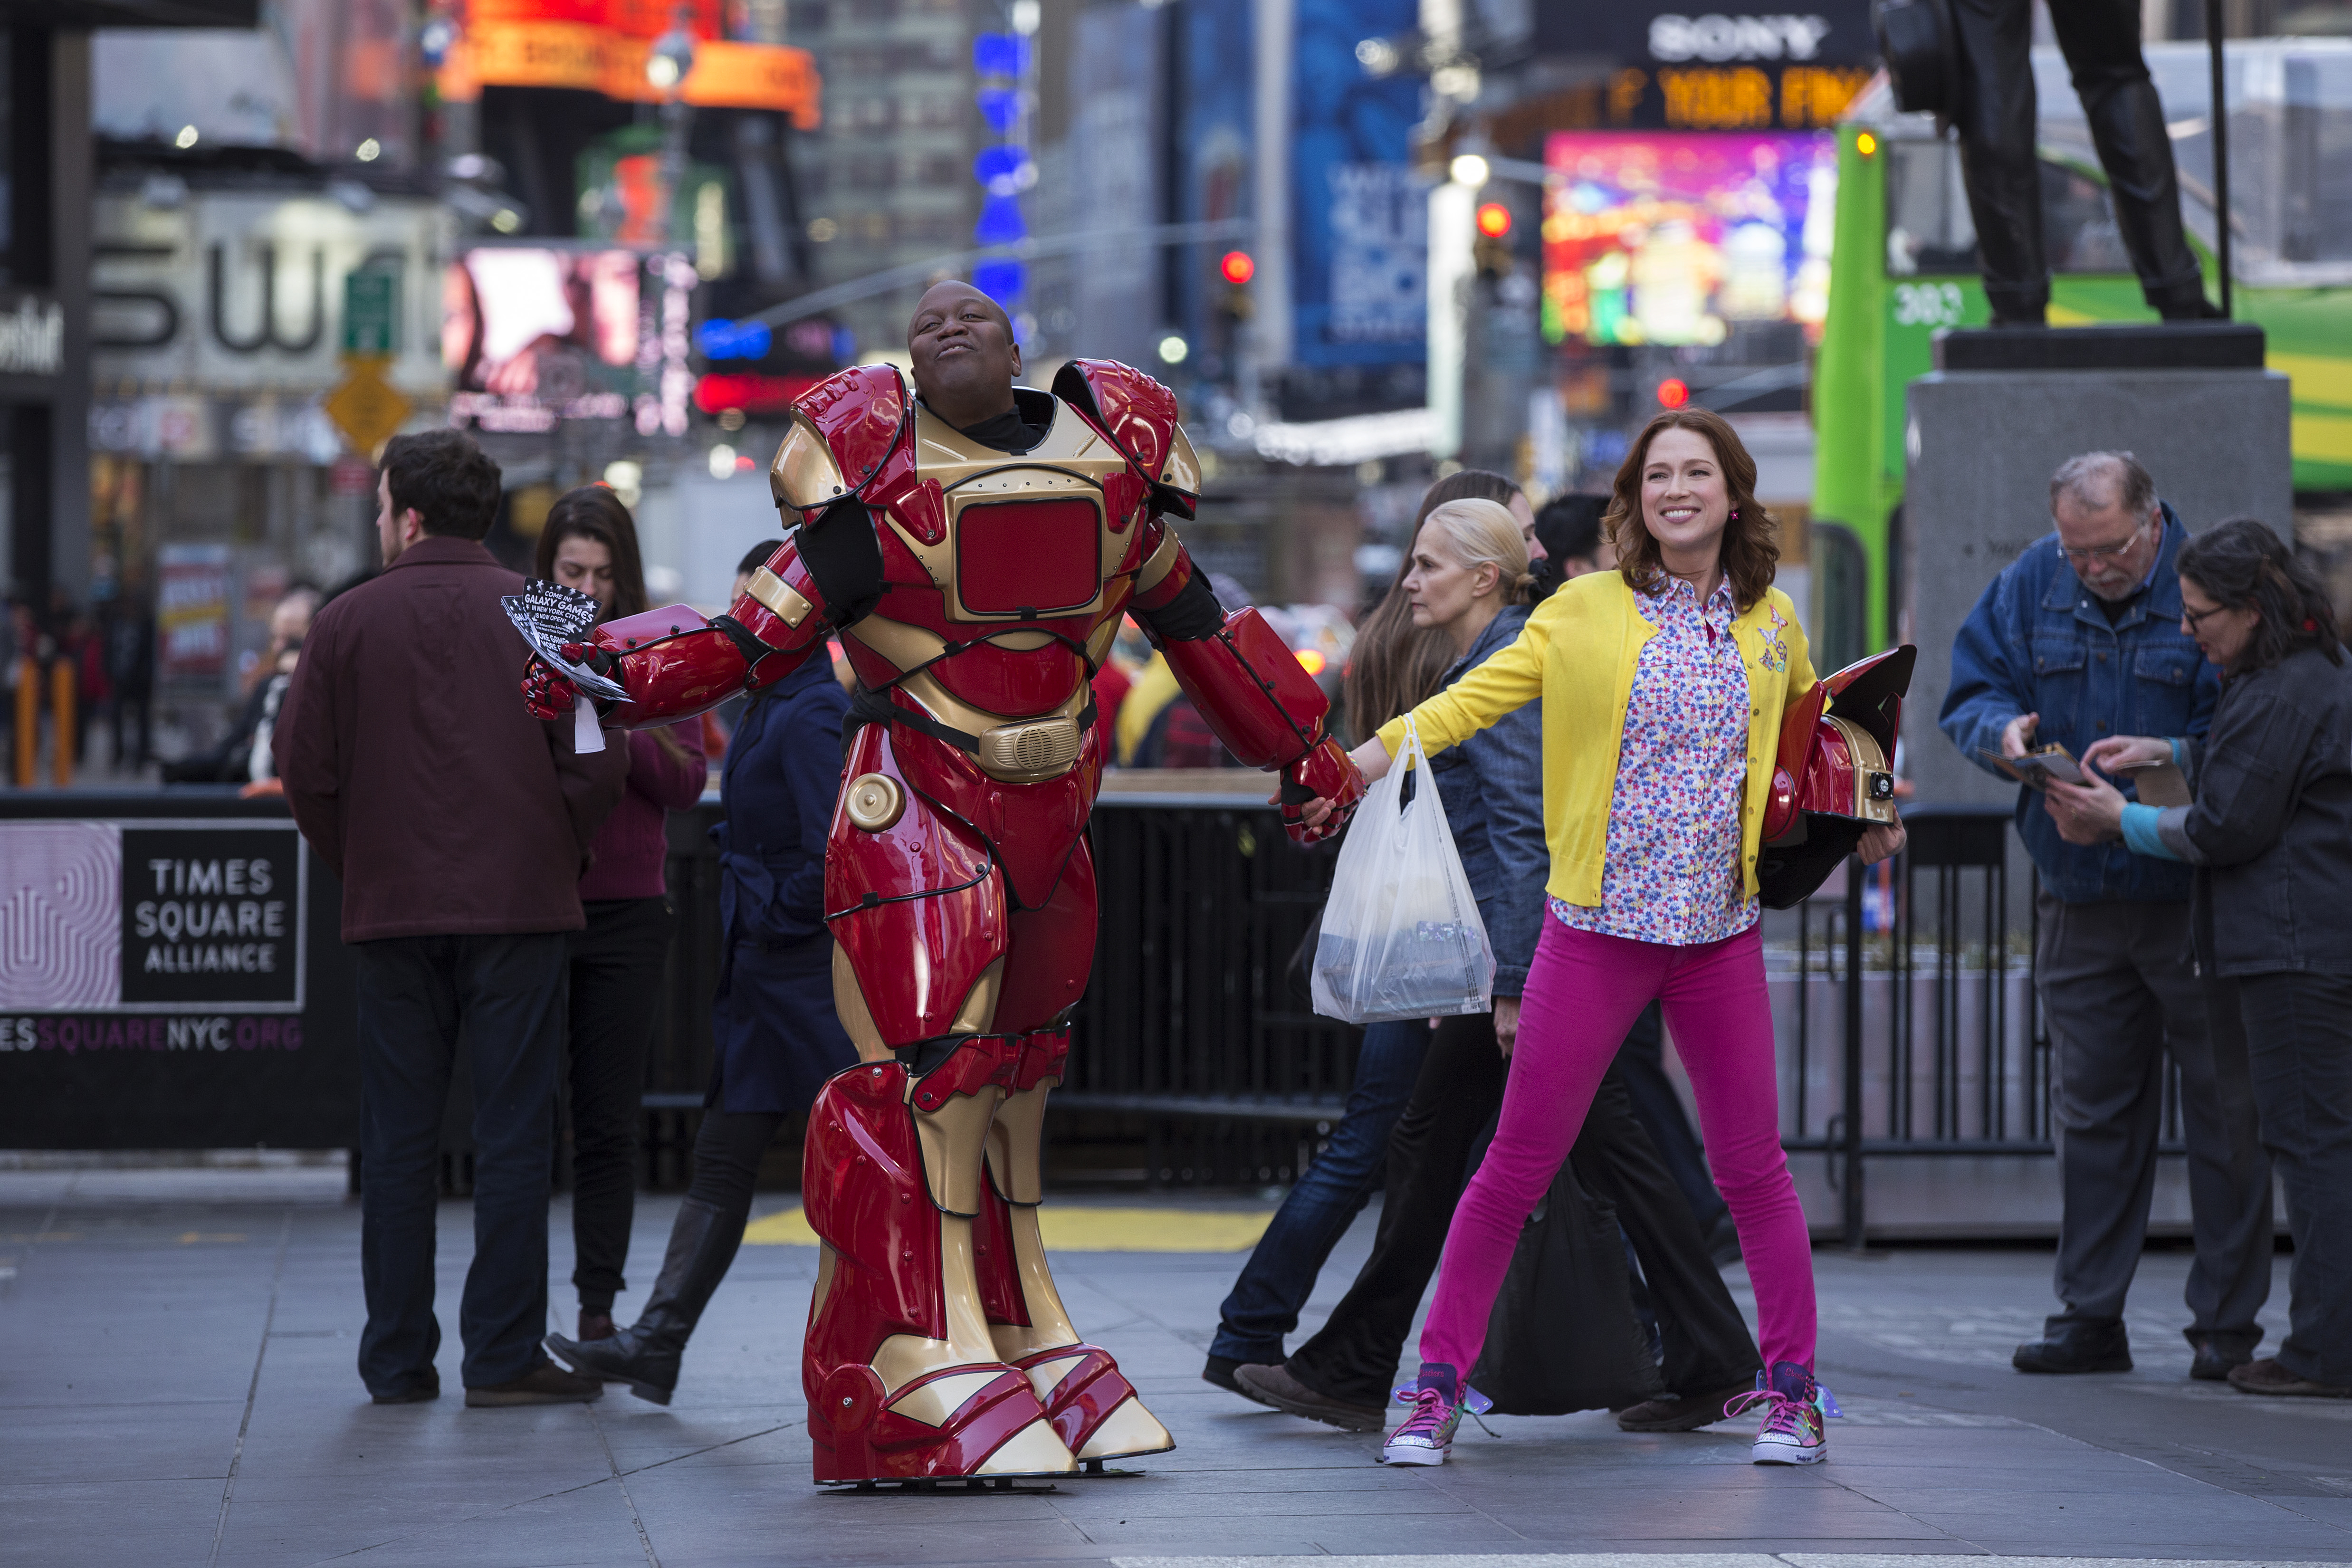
x=2269 y=833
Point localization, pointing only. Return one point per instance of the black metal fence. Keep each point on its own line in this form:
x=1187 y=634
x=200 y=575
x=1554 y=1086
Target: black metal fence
x=1903 y=1001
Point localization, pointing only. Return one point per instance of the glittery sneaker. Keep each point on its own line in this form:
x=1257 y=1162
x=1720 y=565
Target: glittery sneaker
x=1427 y=1436
x=1793 y=1432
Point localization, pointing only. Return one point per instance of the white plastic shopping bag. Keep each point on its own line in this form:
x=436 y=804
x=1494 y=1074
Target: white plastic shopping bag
x=1401 y=937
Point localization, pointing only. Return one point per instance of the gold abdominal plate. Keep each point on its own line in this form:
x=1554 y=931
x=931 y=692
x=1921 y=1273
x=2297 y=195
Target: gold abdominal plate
x=1036 y=750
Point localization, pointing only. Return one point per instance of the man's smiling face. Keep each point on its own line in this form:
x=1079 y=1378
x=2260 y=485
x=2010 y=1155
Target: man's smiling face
x=965 y=358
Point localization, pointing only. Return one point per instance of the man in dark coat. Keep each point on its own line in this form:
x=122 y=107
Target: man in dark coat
x=775 y=1038
x=460 y=826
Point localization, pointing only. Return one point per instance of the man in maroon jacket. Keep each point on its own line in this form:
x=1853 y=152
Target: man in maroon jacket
x=460 y=826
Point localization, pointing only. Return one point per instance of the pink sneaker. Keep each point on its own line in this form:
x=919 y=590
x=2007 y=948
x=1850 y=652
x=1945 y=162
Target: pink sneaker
x=1427 y=1436
x=1793 y=1432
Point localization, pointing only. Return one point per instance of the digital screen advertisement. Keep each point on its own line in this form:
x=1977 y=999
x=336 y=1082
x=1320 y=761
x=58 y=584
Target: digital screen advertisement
x=1677 y=238
x=548 y=332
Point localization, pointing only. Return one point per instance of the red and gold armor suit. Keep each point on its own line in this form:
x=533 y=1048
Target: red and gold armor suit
x=976 y=592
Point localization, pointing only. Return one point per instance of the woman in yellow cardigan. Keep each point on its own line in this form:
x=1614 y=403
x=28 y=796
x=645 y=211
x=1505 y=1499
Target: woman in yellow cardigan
x=1663 y=685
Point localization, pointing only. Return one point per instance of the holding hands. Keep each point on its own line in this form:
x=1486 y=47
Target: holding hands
x=1320 y=790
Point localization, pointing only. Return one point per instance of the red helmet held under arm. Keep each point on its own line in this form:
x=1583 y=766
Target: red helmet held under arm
x=1834 y=777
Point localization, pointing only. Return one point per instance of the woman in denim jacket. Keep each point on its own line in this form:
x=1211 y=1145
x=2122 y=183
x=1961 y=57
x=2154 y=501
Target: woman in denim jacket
x=1393 y=664
x=2268 y=836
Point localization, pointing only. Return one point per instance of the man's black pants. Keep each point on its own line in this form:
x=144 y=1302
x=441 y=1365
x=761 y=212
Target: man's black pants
x=1453 y=1103
x=616 y=1001
x=419 y=999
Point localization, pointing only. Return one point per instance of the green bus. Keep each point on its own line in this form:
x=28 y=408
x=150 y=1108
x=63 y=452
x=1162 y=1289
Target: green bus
x=1905 y=264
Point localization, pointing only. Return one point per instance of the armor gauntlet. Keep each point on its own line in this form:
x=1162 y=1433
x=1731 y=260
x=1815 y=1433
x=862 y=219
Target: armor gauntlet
x=675 y=664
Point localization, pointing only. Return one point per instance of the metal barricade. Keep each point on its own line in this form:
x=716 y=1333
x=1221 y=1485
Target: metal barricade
x=1194 y=1041
x=1903 y=999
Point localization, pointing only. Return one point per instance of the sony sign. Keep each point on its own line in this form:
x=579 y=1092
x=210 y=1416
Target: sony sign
x=1716 y=36
x=1646 y=34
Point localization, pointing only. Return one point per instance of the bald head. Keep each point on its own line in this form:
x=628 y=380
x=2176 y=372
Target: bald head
x=965 y=358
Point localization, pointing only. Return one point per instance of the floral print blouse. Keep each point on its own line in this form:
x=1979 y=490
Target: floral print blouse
x=1671 y=874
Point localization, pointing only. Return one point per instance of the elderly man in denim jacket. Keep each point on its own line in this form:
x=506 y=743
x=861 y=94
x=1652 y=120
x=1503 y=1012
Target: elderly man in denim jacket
x=2078 y=640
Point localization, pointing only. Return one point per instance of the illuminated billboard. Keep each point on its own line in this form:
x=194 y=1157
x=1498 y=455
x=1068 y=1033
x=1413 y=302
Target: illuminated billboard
x=532 y=335
x=1676 y=239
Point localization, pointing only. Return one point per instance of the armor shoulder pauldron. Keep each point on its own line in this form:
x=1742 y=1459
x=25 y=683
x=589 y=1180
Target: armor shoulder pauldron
x=1139 y=415
x=843 y=432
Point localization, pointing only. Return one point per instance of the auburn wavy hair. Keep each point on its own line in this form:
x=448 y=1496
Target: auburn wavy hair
x=1750 y=551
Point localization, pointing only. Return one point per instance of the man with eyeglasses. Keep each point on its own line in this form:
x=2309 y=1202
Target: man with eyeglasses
x=2079 y=638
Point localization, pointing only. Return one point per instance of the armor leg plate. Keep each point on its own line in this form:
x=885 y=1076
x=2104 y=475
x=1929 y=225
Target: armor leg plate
x=902 y=1376
x=1094 y=1408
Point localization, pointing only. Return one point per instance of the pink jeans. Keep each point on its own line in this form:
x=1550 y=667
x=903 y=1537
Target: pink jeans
x=1583 y=993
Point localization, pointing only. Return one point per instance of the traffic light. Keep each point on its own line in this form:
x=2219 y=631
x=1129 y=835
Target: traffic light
x=1236 y=267
x=1492 y=249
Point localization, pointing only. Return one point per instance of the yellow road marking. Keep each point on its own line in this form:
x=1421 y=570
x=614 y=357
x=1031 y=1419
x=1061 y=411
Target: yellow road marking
x=1069 y=1229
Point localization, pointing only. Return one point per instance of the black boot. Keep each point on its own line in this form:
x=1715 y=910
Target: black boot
x=2076 y=1345
x=645 y=1354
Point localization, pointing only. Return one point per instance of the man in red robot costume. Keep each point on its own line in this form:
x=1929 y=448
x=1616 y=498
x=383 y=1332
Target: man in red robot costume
x=974 y=545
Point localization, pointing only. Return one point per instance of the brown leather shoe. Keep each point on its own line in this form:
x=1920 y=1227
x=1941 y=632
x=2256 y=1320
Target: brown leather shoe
x=2266 y=1376
x=1680 y=1413
x=1274 y=1385
x=594 y=1325
x=546 y=1384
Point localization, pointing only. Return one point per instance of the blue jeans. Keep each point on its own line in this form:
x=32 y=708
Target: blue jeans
x=1280 y=1275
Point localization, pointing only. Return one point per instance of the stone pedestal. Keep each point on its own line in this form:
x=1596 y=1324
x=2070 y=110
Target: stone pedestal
x=1982 y=446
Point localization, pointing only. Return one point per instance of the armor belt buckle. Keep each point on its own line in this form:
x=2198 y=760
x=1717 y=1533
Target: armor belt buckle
x=1045 y=747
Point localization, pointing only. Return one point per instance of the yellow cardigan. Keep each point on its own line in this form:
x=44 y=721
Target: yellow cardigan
x=1592 y=627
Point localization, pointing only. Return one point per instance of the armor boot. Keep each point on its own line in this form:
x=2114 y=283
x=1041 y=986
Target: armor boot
x=902 y=1378
x=1092 y=1406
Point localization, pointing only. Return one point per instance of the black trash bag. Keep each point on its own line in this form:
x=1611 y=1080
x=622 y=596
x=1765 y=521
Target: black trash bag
x=1564 y=1336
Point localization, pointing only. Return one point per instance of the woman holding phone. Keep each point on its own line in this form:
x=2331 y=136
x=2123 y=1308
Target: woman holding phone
x=2269 y=832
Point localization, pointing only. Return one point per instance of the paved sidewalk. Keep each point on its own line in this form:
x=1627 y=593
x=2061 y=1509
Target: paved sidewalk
x=176 y=1387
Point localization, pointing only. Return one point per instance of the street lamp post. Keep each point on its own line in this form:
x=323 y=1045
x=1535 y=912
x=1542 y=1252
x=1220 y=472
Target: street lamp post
x=667 y=67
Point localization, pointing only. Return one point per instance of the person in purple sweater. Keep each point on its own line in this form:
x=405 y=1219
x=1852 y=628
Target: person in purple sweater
x=590 y=543
x=775 y=1036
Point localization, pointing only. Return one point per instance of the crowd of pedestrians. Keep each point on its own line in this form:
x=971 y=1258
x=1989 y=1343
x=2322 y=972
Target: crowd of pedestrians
x=103 y=654
x=1599 y=686
x=2202 y=934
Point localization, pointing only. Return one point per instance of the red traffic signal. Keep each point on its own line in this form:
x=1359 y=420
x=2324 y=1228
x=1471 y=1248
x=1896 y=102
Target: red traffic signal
x=1673 y=392
x=1236 y=267
x=1494 y=220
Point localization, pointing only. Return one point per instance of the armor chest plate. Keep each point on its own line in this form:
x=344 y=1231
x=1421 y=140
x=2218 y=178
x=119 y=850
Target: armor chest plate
x=1005 y=576
x=1028 y=538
